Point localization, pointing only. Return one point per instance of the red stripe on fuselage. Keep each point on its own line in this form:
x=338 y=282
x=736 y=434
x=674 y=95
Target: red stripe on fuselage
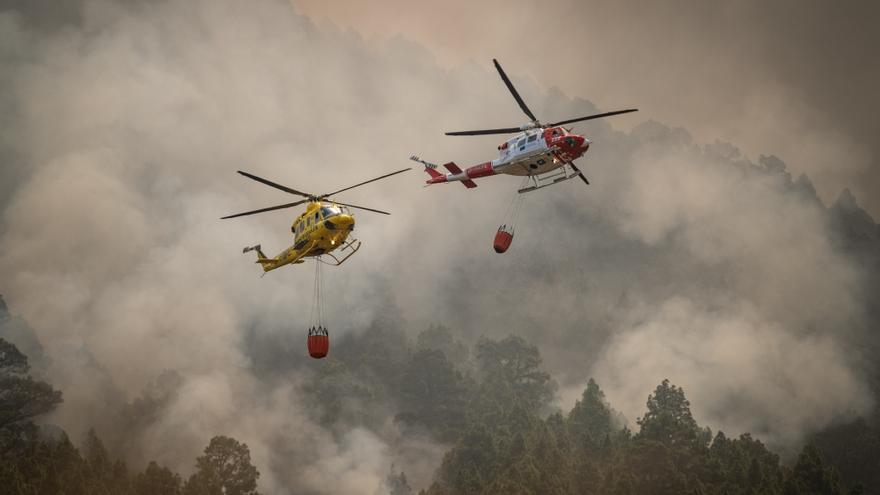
x=481 y=170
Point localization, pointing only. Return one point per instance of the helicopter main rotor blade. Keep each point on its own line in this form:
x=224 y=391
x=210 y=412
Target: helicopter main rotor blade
x=591 y=117
x=580 y=174
x=275 y=185
x=361 y=207
x=261 y=210
x=513 y=91
x=504 y=130
x=366 y=182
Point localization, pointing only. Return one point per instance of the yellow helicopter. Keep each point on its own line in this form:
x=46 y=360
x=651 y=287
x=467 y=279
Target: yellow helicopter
x=322 y=228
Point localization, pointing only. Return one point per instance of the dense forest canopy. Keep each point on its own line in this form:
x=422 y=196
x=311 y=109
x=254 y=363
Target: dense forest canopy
x=504 y=436
x=690 y=290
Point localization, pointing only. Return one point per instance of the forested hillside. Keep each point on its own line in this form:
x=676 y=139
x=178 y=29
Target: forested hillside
x=492 y=405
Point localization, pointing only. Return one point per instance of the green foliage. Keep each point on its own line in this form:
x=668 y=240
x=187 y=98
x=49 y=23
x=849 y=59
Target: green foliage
x=12 y=361
x=377 y=355
x=512 y=374
x=743 y=465
x=669 y=418
x=344 y=397
x=157 y=480
x=440 y=337
x=225 y=469
x=433 y=395
x=587 y=453
x=22 y=398
x=853 y=449
x=590 y=421
x=102 y=474
x=471 y=465
x=503 y=439
x=811 y=477
x=397 y=484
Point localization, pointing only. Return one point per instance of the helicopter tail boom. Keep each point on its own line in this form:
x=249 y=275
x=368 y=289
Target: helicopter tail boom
x=455 y=175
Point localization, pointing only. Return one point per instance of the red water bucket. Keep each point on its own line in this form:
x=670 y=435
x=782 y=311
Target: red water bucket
x=319 y=342
x=503 y=239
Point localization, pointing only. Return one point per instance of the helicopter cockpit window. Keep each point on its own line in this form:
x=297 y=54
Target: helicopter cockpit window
x=328 y=211
x=533 y=137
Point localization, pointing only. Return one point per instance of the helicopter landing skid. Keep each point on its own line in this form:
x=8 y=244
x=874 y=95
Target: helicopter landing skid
x=547 y=180
x=354 y=245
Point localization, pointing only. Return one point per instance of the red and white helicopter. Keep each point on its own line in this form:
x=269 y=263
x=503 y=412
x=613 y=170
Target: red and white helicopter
x=544 y=153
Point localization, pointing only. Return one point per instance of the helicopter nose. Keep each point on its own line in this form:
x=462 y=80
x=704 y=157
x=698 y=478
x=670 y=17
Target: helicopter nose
x=344 y=222
x=583 y=143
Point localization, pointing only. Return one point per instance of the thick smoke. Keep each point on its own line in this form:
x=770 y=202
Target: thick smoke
x=788 y=78
x=128 y=120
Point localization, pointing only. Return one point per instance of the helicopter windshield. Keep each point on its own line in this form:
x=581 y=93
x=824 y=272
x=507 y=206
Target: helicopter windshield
x=328 y=211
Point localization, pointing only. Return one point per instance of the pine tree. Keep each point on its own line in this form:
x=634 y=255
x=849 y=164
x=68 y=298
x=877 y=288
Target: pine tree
x=225 y=469
x=157 y=480
x=23 y=397
x=433 y=395
x=590 y=421
x=397 y=484
x=810 y=476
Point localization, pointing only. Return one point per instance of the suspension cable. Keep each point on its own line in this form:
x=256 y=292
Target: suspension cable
x=514 y=207
x=321 y=310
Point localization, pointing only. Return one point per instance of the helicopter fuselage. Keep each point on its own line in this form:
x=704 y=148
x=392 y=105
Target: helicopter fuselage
x=321 y=229
x=327 y=225
x=532 y=152
x=538 y=151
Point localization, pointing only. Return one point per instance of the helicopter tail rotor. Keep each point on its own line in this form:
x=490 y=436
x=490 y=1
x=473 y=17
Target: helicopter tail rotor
x=258 y=249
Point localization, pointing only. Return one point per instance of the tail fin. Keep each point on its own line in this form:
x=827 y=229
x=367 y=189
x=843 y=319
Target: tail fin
x=452 y=167
x=437 y=177
x=433 y=173
x=455 y=169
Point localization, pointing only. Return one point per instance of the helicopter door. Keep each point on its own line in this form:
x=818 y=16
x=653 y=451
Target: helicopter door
x=531 y=141
x=521 y=145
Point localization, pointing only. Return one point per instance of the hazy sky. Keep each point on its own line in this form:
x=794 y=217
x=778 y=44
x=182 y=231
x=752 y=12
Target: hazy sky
x=797 y=79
